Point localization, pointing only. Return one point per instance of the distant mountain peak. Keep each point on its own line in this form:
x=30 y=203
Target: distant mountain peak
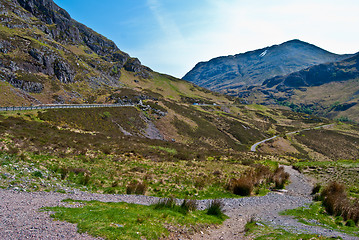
x=230 y=73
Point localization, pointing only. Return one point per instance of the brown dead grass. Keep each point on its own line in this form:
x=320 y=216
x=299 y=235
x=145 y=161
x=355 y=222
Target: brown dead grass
x=337 y=203
x=277 y=146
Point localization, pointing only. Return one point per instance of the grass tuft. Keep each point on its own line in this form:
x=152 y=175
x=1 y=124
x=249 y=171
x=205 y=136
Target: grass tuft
x=138 y=188
x=337 y=203
x=215 y=208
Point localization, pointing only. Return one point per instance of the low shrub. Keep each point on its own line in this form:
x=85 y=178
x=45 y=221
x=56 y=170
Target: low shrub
x=200 y=183
x=37 y=174
x=350 y=223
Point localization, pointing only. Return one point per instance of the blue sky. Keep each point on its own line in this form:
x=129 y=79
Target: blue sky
x=171 y=36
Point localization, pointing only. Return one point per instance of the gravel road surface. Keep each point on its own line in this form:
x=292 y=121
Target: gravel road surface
x=21 y=218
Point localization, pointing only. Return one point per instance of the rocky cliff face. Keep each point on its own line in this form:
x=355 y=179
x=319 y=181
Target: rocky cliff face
x=228 y=74
x=43 y=49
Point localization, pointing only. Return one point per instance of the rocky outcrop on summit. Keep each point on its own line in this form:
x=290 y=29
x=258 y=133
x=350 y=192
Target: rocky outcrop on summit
x=228 y=74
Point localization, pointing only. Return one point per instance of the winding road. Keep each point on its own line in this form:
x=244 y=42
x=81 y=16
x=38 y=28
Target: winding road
x=254 y=146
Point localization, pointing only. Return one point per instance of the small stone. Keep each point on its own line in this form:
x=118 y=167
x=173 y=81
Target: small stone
x=259 y=224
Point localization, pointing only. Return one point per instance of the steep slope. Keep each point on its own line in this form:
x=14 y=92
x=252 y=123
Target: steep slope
x=47 y=57
x=230 y=73
x=330 y=90
x=44 y=52
x=318 y=75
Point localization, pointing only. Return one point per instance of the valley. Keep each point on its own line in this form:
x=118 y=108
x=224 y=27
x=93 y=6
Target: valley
x=90 y=136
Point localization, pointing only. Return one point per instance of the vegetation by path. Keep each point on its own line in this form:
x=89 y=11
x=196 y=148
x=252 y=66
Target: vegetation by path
x=131 y=221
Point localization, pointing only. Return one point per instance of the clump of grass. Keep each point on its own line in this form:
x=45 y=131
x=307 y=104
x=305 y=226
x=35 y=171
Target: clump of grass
x=166 y=203
x=316 y=189
x=337 y=203
x=260 y=176
x=138 y=188
x=242 y=186
x=215 y=208
x=280 y=178
x=189 y=205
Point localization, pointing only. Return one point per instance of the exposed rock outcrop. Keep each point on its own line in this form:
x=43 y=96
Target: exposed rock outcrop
x=44 y=40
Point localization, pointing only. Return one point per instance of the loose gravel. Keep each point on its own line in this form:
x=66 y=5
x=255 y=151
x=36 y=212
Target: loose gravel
x=21 y=217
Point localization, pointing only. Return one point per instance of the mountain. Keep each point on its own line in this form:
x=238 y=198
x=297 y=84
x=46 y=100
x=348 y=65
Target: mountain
x=230 y=73
x=318 y=75
x=179 y=141
x=330 y=90
x=49 y=57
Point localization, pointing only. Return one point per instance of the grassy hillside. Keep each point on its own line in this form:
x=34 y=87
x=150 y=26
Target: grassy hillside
x=326 y=154
x=163 y=147
x=330 y=90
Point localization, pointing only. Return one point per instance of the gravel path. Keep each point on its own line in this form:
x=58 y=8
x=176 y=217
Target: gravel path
x=20 y=217
x=266 y=209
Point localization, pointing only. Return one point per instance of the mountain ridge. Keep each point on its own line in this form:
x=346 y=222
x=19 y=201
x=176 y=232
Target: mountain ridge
x=228 y=73
x=329 y=90
x=43 y=51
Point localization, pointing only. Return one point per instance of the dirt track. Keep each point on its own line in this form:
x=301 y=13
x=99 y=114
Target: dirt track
x=20 y=217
